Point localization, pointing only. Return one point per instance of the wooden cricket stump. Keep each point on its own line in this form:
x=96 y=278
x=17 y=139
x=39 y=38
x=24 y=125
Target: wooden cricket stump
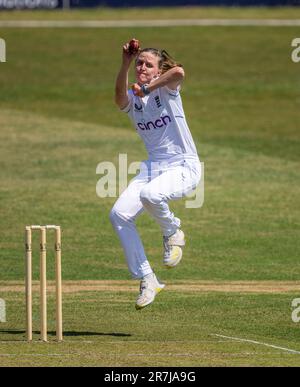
x=43 y=280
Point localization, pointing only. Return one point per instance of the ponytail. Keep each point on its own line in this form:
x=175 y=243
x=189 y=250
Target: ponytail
x=167 y=62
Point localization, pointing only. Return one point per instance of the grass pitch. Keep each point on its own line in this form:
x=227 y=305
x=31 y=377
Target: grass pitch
x=58 y=121
x=184 y=328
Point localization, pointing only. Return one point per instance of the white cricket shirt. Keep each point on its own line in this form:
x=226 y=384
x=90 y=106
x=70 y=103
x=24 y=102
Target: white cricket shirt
x=160 y=121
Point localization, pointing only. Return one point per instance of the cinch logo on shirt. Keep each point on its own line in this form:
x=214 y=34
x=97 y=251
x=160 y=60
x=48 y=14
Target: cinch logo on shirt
x=159 y=123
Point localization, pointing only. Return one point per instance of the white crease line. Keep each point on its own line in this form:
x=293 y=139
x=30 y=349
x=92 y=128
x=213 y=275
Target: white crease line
x=197 y=354
x=259 y=343
x=163 y=354
x=36 y=354
x=38 y=342
x=147 y=23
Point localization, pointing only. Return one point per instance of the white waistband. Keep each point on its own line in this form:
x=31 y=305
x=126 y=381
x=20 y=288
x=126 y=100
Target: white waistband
x=176 y=158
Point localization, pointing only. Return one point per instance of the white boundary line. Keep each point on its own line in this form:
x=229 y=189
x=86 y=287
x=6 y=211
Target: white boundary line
x=259 y=343
x=148 y=23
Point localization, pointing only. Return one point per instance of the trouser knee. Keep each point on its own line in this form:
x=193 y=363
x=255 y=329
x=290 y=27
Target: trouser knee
x=149 y=197
x=118 y=217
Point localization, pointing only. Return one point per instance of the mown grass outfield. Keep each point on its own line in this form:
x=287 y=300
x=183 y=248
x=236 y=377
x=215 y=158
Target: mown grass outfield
x=240 y=270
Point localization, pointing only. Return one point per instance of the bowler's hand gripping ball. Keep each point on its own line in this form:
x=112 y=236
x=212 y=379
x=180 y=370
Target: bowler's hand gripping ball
x=134 y=46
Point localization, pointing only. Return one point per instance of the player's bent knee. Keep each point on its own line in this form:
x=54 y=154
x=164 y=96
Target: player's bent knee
x=117 y=217
x=147 y=197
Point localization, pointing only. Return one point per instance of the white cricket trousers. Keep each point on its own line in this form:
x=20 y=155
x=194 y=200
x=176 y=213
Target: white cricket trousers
x=150 y=190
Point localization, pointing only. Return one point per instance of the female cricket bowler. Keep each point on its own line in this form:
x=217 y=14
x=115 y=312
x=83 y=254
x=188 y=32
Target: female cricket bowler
x=172 y=169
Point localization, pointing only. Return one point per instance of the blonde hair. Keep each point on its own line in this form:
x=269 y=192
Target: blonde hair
x=166 y=62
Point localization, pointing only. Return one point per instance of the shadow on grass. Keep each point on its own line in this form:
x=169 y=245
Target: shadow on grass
x=66 y=333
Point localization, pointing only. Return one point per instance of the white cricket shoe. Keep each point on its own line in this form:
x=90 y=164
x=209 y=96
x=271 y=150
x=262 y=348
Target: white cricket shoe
x=149 y=288
x=172 y=249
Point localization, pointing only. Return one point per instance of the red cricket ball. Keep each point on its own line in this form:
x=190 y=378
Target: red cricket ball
x=134 y=46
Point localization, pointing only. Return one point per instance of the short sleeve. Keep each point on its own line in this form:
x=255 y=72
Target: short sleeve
x=127 y=108
x=172 y=93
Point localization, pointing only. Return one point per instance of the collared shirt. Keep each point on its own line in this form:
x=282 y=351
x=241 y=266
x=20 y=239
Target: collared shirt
x=160 y=121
